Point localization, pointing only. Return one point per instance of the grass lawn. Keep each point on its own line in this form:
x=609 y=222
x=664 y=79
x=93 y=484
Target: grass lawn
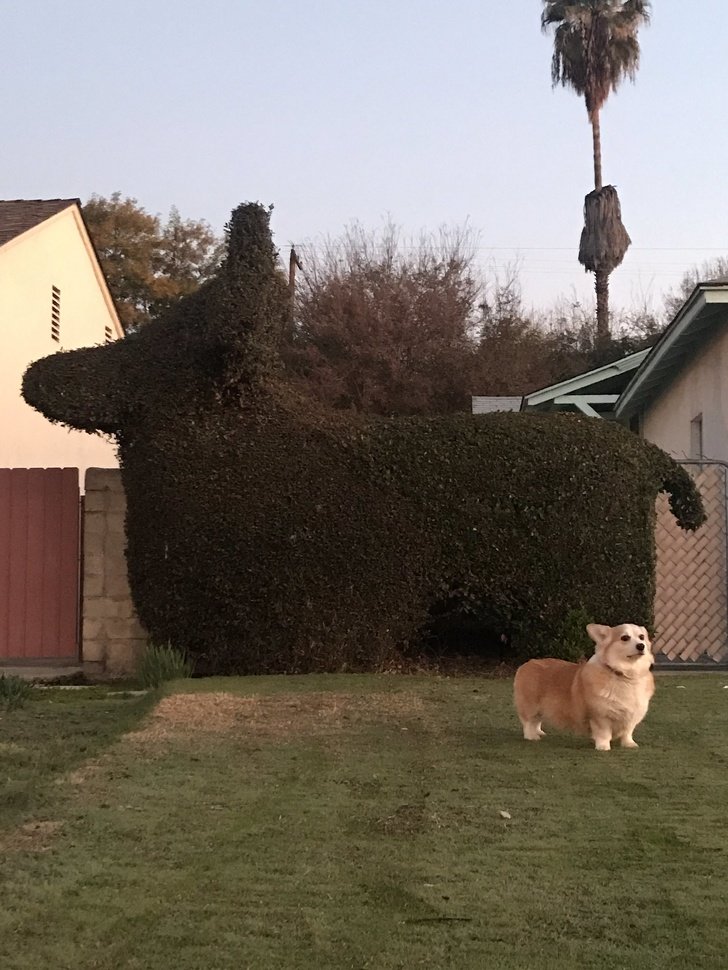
x=358 y=822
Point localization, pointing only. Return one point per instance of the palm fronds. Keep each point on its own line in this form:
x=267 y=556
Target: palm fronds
x=595 y=45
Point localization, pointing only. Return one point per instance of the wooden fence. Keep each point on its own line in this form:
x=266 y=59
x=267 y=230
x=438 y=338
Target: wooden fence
x=39 y=565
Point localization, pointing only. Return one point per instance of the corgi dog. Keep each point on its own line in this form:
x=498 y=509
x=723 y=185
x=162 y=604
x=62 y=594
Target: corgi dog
x=606 y=697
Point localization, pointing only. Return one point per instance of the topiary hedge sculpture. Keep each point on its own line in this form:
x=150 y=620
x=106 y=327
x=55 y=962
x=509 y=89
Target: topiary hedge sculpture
x=267 y=535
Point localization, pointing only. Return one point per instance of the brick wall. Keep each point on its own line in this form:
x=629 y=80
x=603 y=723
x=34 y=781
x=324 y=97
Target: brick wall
x=112 y=637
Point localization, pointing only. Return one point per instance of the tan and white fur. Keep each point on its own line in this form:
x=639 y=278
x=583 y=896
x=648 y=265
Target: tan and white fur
x=607 y=697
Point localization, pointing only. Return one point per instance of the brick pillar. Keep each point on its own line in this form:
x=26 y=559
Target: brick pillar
x=112 y=637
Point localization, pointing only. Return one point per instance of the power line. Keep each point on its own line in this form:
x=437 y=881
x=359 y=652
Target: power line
x=336 y=245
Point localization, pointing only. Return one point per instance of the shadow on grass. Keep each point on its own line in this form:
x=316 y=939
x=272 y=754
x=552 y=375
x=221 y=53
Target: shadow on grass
x=53 y=734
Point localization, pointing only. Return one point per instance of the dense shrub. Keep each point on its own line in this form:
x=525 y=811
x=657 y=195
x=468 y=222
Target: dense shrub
x=571 y=641
x=267 y=535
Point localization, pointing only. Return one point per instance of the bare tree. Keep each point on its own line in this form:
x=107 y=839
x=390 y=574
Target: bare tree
x=386 y=325
x=383 y=324
x=711 y=270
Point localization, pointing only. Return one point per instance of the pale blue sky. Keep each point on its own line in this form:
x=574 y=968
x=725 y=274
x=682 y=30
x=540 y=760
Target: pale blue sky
x=430 y=112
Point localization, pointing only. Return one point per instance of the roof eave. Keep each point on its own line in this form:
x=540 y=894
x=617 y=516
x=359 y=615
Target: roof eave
x=704 y=294
x=578 y=383
x=98 y=269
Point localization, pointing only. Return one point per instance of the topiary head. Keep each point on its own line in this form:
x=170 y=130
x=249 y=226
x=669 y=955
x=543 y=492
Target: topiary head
x=216 y=346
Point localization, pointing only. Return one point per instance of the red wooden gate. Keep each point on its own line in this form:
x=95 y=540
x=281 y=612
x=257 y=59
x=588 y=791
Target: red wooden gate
x=39 y=564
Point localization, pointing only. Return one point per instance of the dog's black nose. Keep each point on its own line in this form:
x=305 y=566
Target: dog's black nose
x=640 y=647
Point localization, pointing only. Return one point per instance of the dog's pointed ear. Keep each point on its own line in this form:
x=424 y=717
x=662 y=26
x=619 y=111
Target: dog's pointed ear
x=598 y=632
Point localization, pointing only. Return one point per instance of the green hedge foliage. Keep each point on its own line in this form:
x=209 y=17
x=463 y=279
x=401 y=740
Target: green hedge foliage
x=267 y=535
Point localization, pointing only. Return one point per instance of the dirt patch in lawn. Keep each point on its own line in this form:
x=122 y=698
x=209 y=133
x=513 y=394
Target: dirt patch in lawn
x=275 y=716
x=31 y=837
x=81 y=775
x=10 y=748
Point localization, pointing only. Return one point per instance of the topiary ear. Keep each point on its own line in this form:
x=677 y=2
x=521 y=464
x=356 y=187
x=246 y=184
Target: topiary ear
x=251 y=300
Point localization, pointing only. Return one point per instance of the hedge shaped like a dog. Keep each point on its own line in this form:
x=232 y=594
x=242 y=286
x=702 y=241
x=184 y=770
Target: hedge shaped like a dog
x=266 y=535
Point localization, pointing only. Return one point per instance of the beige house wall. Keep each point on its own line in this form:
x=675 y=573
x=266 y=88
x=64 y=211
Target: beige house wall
x=55 y=253
x=701 y=389
x=112 y=637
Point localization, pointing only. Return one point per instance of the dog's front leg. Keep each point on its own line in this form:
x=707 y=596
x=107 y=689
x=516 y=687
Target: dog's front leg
x=601 y=732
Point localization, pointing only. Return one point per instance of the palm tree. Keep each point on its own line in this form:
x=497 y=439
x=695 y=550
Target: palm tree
x=595 y=49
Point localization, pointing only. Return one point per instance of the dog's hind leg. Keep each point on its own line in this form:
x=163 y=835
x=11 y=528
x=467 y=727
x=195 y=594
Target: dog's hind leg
x=528 y=703
x=626 y=740
x=532 y=728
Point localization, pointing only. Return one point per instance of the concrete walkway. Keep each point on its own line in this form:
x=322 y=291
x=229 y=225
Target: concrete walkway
x=42 y=673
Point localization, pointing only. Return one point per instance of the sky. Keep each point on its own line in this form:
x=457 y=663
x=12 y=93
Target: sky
x=425 y=113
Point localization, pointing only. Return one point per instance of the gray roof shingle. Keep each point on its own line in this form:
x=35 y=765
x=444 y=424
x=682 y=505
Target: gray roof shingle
x=19 y=215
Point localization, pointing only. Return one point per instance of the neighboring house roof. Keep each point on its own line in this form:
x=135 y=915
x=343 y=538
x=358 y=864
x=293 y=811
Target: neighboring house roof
x=19 y=215
x=593 y=392
x=704 y=310
x=487 y=405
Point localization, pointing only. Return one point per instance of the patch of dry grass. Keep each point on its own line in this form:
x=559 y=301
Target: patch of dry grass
x=279 y=716
x=34 y=836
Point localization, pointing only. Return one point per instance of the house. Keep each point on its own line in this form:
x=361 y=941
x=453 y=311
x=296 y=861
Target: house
x=678 y=398
x=53 y=296
x=489 y=405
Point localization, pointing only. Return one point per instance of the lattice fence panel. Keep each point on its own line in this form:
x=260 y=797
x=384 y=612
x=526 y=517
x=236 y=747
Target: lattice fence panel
x=691 y=602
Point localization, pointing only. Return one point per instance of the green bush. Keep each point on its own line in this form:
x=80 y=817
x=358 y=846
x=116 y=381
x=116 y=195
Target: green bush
x=162 y=663
x=265 y=534
x=14 y=692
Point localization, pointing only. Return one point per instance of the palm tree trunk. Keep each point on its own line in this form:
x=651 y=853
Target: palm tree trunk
x=597 y=149
x=601 y=285
x=601 y=279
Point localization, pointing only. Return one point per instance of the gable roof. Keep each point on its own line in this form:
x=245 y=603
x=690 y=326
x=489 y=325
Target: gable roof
x=19 y=215
x=602 y=386
x=705 y=309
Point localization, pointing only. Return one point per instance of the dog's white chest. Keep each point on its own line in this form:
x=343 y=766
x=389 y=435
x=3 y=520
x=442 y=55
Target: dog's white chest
x=624 y=700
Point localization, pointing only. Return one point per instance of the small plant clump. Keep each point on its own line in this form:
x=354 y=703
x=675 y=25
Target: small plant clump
x=14 y=692
x=162 y=663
